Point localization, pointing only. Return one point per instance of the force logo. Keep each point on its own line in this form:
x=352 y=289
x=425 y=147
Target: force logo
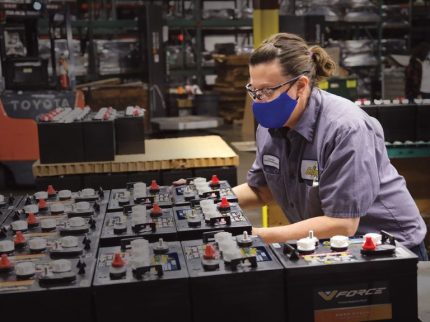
x=328 y=296
x=312 y=171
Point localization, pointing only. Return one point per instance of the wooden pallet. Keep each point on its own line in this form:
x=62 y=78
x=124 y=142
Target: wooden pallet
x=162 y=154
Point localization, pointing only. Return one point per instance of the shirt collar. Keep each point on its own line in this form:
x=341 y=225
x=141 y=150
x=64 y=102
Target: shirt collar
x=306 y=125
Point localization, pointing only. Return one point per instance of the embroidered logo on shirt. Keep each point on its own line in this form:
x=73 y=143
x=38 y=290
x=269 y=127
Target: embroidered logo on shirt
x=309 y=170
x=271 y=161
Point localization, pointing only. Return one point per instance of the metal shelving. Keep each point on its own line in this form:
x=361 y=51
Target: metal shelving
x=197 y=27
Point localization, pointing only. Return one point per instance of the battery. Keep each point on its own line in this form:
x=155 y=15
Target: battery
x=127 y=197
x=136 y=281
x=9 y=202
x=347 y=285
x=192 y=221
x=230 y=290
x=130 y=131
x=228 y=174
x=128 y=224
x=99 y=135
x=423 y=126
x=64 y=229
x=61 y=289
x=192 y=191
x=398 y=121
x=61 y=130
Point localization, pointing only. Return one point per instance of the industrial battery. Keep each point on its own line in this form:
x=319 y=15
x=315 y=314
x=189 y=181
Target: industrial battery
x=8 y=203
x=57 y=289
x=207 y=215
x=423 y=115
x=150 y=222
x=234 y=279
x=61 y=130
x=55 y=236
x=139 y=193
x=198 y=188
x=130 y=131
x=58 y=227
x=398 y=118
x=349 y=279
x=144 y=280
x=99 y=135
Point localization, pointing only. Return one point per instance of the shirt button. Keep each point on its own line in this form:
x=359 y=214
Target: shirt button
x=291 y=205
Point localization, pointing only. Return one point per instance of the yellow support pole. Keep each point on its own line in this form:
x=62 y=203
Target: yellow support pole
x=265 y=216
x=264 y=23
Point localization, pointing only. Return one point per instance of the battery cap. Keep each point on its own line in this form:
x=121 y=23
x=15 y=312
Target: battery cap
x=377 y=238
x=214 y=181
x=69 y=241
x=223 y=235
x=42 y=204
x=48 y=223
x=339 y=241
x=117 y=261
x=31 y=219
x=64 y=194
x=6 y=246
x=224 y=203
x=156 y=210
x=37 y=243
x=41 y=195
x=5 y=262
x=306 y=244
x=209 y=252
x=369 y=244
x=61 y=266
x=31 y=208
x=19 y=225
x=154 y=186
x=77 y=222
x=25 y=269
x=51 y=191
x=19 y=238
x=57 y=208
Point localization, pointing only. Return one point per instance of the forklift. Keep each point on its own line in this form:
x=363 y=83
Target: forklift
x=26 y=88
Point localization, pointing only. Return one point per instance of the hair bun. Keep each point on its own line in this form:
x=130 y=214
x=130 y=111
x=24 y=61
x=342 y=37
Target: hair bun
x=324 y=64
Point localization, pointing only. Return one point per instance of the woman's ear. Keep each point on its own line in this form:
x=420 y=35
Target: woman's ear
x=302 y=85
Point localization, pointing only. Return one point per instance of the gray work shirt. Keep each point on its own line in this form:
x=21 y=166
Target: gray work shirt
x=334 y=162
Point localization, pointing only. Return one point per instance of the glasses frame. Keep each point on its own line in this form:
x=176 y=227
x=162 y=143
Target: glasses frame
x=254 y=92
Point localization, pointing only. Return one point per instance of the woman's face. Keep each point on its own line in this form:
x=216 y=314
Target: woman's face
x=265 y=76
x=268 y=75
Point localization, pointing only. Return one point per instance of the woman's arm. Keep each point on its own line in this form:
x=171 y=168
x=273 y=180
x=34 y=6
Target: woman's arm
x=323 y=227
x=250 y=197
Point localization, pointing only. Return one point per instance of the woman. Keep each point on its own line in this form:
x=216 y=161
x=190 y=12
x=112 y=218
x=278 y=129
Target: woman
x=319 y=156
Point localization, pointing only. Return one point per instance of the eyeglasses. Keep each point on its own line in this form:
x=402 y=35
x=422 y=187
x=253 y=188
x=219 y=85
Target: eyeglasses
x=267 y=92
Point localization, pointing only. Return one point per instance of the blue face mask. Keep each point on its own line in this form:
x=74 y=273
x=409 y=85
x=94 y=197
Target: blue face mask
x=274 y=114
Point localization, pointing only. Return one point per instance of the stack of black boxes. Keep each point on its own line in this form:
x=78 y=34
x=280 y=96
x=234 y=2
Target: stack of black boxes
x=69 y=135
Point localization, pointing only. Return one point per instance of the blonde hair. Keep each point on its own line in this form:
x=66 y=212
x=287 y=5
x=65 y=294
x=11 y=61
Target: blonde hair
x=295 y=57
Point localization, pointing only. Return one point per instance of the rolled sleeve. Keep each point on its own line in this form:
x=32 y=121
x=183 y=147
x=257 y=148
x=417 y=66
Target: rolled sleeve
x=349 y=182
x=255 y=176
